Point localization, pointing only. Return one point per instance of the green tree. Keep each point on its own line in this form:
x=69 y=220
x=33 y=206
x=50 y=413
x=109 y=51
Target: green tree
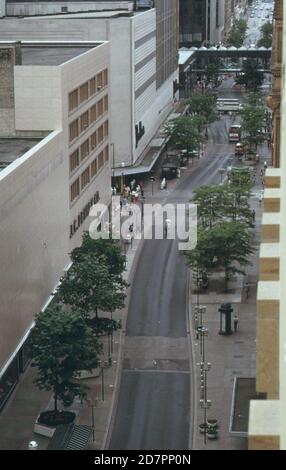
x=89 y=287
x=203 y=106
x=184 y=133
x=266 y=35
x=250 y=76
x=226 y=245
x=61 y=345
x=237 y=34
x=253 y=119
x=109 y=249
x=221 y=203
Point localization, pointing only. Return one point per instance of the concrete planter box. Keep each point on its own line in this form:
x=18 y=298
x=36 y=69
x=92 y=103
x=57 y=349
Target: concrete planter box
x=43 y=429
x=85 y=374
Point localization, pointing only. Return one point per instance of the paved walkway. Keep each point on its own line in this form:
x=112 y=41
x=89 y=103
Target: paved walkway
x=230 y=356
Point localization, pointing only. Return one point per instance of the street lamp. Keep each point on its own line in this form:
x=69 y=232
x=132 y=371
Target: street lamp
x=122 y=179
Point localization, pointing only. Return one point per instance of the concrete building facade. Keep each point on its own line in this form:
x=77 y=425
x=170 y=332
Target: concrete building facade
x=143 y=66
x=267 y=430
x=50 y=176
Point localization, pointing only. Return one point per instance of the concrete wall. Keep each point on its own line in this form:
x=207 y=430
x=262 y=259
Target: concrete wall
x=47 y=8
x=2 y=8
x=33 y=237
x=122 y=33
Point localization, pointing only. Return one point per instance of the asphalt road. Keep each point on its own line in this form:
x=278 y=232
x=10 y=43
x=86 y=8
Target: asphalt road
x=154 y=404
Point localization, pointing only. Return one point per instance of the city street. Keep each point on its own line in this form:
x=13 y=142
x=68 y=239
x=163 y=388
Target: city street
x=259 y=12
x=155 y=409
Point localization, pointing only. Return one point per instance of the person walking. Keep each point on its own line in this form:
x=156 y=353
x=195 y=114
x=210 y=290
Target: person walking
x=253 y=215
x=235 y=323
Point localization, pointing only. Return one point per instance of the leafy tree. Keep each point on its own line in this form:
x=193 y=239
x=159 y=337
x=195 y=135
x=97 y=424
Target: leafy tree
x=237 y=34
x=61 y=345
x=253 y=120
x=184 y=133
x=109 y=249
x=89 y=287
x=266 y=35
x=250 y=76
x=226 y=245
x=220 y=203
x=203 y=106
x=212 y=72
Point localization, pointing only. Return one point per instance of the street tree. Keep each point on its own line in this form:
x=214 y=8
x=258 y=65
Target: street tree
x=109 y=249
x=266 y=38
x=253 y=119
x=226 y=245
x=89 y=287
x=184 y=133
x=237 y=33
x=250 y=76
x=221 y=203
x=61 y=345
x=203 y=106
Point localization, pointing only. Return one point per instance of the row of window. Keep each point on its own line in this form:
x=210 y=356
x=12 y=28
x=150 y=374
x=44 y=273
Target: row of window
x=88 y=174
x=88 y=89
x=86 y=119
x=88 y=146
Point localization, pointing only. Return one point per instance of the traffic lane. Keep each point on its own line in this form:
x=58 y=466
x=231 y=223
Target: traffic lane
x=152 y=412
x=158 y=299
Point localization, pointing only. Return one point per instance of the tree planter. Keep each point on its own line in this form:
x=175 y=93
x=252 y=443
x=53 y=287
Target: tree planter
x=211 y=433
x=85 y=374
x=47 y=422
x=212 y=423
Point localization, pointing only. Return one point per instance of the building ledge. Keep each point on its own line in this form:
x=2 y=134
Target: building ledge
x=270 y=230
x=273 y=178
x=264 y=418
x=269 y=261
x=272 y=200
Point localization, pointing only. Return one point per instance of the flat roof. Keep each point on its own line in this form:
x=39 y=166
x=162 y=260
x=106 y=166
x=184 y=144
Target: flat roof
x=11 y=149
x=51 y=54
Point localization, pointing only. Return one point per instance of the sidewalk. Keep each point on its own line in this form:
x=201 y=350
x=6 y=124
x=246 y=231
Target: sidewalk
x=18 y=418
x=231 y=356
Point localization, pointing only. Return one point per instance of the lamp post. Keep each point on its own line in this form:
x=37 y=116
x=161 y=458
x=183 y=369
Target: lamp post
x=113 y=165
x=122 y=179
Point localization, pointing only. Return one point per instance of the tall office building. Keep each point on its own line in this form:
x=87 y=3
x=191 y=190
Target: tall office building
x=201 y=21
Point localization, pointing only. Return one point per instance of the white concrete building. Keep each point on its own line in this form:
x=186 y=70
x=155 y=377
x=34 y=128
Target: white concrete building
x=143 y=67
x=54 y=162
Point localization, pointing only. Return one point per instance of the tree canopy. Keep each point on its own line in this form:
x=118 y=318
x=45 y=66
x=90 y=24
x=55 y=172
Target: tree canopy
x=237 y=33
x=266 y=35
x=250 y=76
x=184 y=133
x=204 y=106
x=61 y=345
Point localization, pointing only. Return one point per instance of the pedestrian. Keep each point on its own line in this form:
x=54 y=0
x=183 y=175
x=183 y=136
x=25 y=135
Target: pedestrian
x=235 y=323
x=253 y=215
x=261 y=172
x=265 y=166
x=247 y=290
x=260 y=199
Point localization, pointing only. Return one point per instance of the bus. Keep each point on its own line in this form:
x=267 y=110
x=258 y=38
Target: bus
x=234 y=133
x=226 y=105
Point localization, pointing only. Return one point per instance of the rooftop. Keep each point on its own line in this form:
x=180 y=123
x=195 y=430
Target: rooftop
x=51 y=54
x=11 y=149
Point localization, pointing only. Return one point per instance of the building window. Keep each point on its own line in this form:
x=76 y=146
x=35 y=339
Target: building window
x=74 y=160
x=85 y=178
x=74 y=190
x=93 y=168
x=73 y=100
x=73 y=127
x=84 y=121
x=105 y=77
x=100 y=108
x=99 y=81
x=100 y=134
x=106 y=154
x=93 y=141
x=93 y=115
x=84 y=150
x=100 y=160
x=105 y=129
x=105 y=104
x=92 y=86
x=83 y=92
